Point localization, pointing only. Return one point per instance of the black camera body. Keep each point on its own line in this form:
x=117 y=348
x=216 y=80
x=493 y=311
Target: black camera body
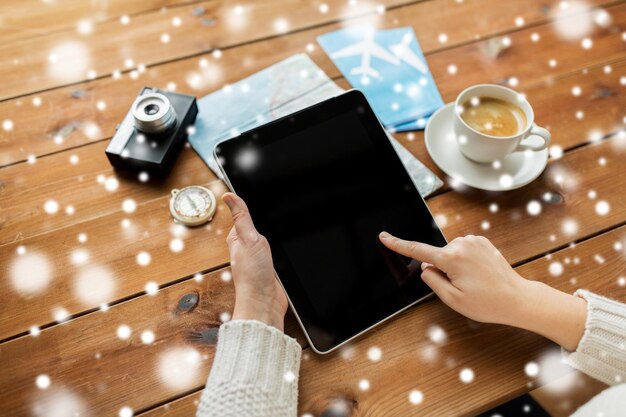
x=153 y=132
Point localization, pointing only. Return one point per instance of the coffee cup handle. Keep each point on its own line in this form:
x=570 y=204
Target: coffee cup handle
x=535 y=131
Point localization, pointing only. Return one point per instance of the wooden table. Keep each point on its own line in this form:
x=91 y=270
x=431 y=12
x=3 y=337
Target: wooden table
x=75 y=304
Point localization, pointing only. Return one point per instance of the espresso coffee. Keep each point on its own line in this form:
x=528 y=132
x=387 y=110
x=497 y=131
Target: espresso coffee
x=493 y=116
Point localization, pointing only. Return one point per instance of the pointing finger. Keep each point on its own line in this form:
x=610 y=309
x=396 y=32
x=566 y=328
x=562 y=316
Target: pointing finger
x=416 y=250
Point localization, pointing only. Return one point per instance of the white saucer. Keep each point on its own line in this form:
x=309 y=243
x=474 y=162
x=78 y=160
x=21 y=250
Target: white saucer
x=514 y=171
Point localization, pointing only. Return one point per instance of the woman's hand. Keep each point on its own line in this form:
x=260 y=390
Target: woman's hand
x=472 y=277
x=258 y=295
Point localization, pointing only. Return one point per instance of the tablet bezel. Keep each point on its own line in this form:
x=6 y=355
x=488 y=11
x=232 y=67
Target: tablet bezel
x=351 y=97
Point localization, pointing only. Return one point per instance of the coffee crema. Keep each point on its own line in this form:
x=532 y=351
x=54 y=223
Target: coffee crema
x=493 y=116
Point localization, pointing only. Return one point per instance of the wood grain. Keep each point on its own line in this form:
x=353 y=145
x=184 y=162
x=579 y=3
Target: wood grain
x=31 y=18
x=497 y=354
x=35 y=131
x=27 y=65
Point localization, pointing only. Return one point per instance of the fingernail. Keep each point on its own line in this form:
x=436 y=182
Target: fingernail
x=384 y=235
x=226 y=199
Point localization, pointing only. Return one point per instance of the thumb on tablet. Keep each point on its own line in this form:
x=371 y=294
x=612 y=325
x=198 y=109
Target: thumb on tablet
x=416 y=250
x=241 y=218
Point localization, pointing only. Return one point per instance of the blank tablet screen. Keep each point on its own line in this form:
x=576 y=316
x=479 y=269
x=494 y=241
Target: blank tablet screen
x=321 y=185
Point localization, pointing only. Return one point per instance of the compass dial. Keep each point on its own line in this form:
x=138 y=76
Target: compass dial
x=192 y=205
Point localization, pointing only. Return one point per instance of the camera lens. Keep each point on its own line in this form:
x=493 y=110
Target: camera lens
x=153 y=113
x=151 y=109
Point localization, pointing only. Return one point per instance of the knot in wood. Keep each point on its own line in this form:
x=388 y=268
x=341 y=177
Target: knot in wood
x=339 y=407
x=188 y=302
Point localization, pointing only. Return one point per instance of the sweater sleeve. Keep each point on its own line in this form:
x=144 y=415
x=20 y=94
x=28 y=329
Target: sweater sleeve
x=601 y=352
x=254 y=373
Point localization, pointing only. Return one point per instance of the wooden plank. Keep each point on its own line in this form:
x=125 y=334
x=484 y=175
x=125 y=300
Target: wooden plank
x=30 y=18
x=151 y=38
x=495 y=353
x=35 y=131
x=185 y=406
x=90 y=186
x=85 y=357
x=113 y=245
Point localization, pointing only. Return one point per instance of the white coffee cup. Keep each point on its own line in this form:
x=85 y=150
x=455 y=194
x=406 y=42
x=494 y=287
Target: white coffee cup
x=483 y=148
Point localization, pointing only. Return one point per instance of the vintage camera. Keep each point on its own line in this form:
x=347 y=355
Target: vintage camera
x=153 y=132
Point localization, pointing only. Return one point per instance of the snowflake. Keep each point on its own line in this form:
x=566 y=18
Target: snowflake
x=126 y=412
x=533 y=207
x=51 y=206
x=374 y=354
x=443 y=38
x=416 y=397
x=151 y=287
x=535 y=37
x=42 y=381
x=323 y=8
x=602 y=208
x=573 y=20
x=177 y=245
x=30 y=272
x=552 y=63
x=555 y=268
x=165 y=38
x=144 y=258
x=532 y=369
x=505 y=180
x=364 y=385
x=60 y=314
x=79 y=256
x=569 y=226
x=289 y=376
x=281 y=25
x=123 y=332
x=436 y=334
x=147 y=337
x=466 y=375
x=94 y=285
x=176 y=21
x=124 y=20
x=129 y=205
x=225 y=317
x=178 y=368
x=452 y=69
x=586 y=43
x=493 y=207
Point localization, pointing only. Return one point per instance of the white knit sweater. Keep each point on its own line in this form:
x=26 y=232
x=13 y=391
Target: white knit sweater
x=255 y=370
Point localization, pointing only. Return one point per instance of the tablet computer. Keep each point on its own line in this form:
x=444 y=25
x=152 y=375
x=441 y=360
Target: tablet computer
x=321 y=184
